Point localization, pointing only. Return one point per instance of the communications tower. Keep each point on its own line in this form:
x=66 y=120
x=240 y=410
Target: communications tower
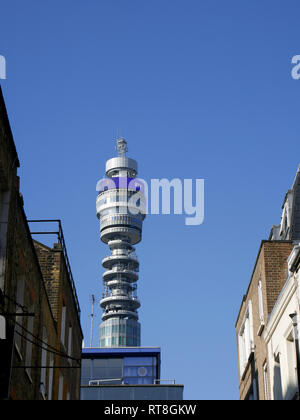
x=120 y=211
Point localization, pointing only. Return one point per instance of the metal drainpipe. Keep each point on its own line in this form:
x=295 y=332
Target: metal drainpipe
x=295 y=323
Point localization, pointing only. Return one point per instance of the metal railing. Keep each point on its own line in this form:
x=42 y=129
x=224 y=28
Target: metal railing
x=61 y=241
x=96 y=382
x=159 y=381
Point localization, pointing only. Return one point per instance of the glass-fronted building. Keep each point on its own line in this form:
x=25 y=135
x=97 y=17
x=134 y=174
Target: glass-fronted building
x=123 y=373
x=127 y=365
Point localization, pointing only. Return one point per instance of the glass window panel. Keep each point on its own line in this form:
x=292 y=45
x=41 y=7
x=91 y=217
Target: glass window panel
x=139 y=381
x=145 y=380
x=99 y=363
x=86 y=363
x=130 y=381
x=134 y=371
x=130 y=371
x=107 y=373
x=138 y=361
x=113 y=198
x=114 y=362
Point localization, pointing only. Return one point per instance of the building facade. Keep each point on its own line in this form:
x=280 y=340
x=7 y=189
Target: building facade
x=258 y=314
x=65 y=309
x=281 y=336
x=125 y=373
x=31 y=355
x=266 y=283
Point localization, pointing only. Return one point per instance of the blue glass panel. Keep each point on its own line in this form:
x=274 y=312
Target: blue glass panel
x=136 y=371
x=138 y=361
x=147 y=380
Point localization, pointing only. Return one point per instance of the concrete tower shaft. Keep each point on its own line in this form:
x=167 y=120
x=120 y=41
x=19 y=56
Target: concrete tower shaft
x=121 y=218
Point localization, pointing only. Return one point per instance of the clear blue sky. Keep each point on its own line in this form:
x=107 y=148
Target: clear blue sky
x=200 y=89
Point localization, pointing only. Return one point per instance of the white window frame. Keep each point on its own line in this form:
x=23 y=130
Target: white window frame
x=290 y=371
x=260 y=307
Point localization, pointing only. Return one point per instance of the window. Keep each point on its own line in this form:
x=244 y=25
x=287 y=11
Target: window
x=63 y=325
x=29 y=338
x=43 y=388
x=60 y=387
x=277 y=387
x=266 y=384
x=261 y=307
x=290 y=371
x=285 y=219
x=140 y=370
x=252 y=393
x=19 y=319
x=104 y=213
x=246 y=344
x=70 y=341
x=50 y=381
x=106 y=369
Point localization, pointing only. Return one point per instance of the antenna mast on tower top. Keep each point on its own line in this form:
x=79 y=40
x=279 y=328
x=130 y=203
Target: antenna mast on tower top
x=121 y=146
x=92 y=320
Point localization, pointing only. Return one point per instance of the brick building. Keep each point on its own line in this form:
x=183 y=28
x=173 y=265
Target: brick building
x=266 y=283
x=41 y=345
x=281 y=336
x=65 y=308
x=268 y=278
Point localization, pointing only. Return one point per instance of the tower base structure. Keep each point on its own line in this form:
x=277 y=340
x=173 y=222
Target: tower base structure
x=120 y=332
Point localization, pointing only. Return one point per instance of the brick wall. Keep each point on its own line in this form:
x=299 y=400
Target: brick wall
x=60 y=294
x=270 y=268
x=275 y=257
